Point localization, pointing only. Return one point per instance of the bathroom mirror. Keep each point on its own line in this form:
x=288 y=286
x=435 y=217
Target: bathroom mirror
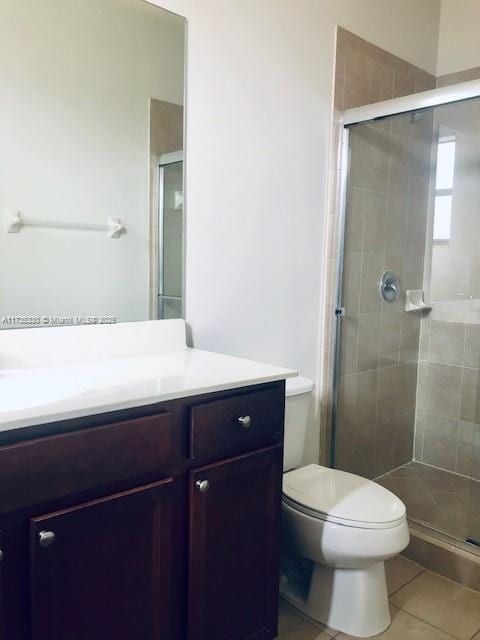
x=91 y=162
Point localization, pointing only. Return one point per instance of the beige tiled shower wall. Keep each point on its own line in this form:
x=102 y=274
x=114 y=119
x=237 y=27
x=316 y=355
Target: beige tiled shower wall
x=459 y=76
x=448 y=411
x=387 y=214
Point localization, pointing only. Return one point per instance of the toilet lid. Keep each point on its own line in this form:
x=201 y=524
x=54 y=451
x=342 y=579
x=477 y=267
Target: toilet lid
x=340 y=496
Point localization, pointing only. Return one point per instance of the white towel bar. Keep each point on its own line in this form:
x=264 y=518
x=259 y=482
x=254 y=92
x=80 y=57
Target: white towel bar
x=14 y=223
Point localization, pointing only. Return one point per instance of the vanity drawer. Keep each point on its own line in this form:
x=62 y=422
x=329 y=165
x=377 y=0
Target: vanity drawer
x=57 y=466
x=247 y=420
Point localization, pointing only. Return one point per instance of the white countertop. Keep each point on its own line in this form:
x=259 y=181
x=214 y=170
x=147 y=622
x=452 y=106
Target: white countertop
x=33 y=395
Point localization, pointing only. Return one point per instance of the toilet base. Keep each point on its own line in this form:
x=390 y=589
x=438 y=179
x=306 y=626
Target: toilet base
x=354 y=601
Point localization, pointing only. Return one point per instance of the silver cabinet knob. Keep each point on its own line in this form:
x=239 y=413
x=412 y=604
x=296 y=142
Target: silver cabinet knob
x=245 y=421
x=202 y=485
x=46 y=538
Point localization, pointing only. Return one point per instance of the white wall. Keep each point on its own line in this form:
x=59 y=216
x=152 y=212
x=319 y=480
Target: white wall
x=76 y=79
x=406 y=28
x=459 y=42
x=259 y=94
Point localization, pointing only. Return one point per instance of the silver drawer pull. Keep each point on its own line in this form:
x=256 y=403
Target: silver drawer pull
x=202 y=485
x=1 y=556
x=245 y=421
x=46 y=539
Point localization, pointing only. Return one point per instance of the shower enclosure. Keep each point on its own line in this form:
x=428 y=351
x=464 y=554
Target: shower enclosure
x=407 y=372
x=170 y=240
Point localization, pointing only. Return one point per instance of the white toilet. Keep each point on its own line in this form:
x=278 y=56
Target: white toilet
x=342 y=528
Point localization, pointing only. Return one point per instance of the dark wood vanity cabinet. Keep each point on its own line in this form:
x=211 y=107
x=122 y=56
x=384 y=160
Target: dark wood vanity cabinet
x=159 y=523
x=97 y=568
x=2 y=605
x=233 y=549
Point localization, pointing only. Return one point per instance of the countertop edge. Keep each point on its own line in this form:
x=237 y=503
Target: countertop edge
x=23 y=423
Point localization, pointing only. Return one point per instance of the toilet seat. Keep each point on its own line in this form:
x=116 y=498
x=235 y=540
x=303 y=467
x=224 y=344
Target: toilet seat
x=357 y=524
x=343 y=498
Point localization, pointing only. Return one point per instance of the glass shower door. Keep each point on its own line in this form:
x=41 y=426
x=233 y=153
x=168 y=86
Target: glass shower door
x=407 y=382
x=377 y=340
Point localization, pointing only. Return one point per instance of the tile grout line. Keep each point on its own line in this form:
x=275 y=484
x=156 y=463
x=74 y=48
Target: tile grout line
x=426 y=621
x=457 y=584
x=433 y=626
x=387 y=473
x=319 y=626
x=362 y=260
x=407 y=583
x=462 y=376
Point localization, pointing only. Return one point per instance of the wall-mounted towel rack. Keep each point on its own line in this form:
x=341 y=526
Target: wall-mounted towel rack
x=14 y=222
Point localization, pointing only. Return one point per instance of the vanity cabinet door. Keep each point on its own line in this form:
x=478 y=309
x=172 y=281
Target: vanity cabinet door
x=104 y=569
x=234 y=548
x=2 y=604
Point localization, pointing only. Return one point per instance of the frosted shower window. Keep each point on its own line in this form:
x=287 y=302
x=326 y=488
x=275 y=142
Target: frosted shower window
x=443 y=190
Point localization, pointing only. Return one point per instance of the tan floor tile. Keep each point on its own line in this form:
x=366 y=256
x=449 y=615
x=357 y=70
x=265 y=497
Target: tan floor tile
x=406 y=627
x=303 y=633
x=292 y=626
x=400 y=571
x=287 y=618
x=443 y=604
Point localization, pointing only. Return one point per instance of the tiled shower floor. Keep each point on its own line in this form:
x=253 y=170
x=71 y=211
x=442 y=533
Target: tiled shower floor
x=442 y=500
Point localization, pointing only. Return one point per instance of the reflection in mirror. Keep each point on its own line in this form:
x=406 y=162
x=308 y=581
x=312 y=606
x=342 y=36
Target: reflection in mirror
x=166 y=188
x=91 y=162
x=170 y=226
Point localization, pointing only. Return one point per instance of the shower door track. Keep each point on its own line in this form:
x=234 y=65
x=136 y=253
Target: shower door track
x=414 y=102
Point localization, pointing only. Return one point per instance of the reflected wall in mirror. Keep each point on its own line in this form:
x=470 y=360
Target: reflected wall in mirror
x=91 y=162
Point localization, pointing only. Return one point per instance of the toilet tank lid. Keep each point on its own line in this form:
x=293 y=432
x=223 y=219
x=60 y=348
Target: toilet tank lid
x=298 y=385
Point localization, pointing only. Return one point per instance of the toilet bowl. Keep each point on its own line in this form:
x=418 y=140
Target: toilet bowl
x=347 y=526
x=341 y=528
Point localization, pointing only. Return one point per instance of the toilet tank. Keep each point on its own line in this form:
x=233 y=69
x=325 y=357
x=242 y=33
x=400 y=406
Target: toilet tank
x=298 y=392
